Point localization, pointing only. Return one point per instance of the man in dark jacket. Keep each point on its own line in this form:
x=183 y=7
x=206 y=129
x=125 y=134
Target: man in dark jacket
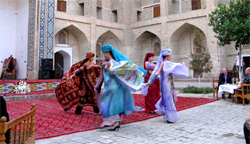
x=225 y=78
x=3 y=112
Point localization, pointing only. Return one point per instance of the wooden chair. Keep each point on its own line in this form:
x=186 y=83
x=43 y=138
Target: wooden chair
x=22 y=128
x=240 y=93
x=215 y=88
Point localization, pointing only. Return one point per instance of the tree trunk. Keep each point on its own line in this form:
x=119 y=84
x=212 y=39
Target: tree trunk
x=240 y=68
x=199 y=77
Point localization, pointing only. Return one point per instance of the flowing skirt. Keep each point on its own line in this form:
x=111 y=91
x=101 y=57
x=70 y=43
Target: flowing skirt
x=166 y=104
x=153 y=94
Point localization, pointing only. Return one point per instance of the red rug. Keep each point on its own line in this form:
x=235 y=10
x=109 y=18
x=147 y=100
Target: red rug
x=52 y=121
x=30 y=81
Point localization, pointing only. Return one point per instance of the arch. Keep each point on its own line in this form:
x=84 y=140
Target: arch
x=98 y=35
x=64 y=61
x=62 y=37
x=187 y=23
x=110 y=38
x=145 y=43
x=76 y=40
x=147 y=31
x=181 y=42
x=70 y=25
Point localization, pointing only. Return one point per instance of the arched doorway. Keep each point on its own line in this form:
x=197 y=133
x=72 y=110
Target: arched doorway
x=182 y=44
x=108 y=38
x=145 y=43
x=63 y=61
x=73 y=38
x=59 y=67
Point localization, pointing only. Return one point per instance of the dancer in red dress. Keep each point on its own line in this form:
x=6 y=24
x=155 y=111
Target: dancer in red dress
x=154 y=89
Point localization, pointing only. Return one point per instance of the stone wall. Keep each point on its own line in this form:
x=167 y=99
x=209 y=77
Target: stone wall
x=135 y=38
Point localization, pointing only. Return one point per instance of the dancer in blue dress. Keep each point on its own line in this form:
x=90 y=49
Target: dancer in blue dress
x=121 y=77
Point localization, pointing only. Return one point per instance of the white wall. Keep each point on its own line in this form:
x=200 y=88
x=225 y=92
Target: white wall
x=22 y=36
x=8 y=10
x=14 y=32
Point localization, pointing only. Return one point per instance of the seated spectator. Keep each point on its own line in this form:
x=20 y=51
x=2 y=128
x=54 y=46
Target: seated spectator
x=247 y=131
x=4 y=112
x=246 y=81
x=225 y=78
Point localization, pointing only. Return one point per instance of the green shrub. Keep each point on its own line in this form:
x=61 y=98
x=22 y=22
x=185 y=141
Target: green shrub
x=197 y=90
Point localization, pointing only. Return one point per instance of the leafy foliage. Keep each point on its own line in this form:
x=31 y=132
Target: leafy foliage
x=231 y=22
x=193 y=89
x=200 y=62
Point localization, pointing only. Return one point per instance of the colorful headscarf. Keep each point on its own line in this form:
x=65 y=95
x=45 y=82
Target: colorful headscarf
x=119 y=56
x=90 y=55
x=146 y=58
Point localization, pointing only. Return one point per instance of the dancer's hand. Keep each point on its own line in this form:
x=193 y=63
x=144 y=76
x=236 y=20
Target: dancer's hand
x=157 y=73
x=98 y=66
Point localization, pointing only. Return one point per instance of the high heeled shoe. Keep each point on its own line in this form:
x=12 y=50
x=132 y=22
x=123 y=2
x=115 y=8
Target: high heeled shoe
x=116 y=128
x=102 y=127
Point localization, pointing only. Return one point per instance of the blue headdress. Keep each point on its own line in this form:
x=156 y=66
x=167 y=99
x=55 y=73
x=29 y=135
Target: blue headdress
x=119 y=56
x=164 y=52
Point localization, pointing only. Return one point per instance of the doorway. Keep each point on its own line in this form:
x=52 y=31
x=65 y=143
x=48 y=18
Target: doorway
x=59 y=65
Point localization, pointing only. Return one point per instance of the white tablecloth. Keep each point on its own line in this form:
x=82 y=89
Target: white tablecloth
x=226 y=88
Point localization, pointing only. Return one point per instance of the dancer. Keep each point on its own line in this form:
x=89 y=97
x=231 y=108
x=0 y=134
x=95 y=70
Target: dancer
x=154 y=89
x=121 y=77
x=166 y=69
x=77 y=86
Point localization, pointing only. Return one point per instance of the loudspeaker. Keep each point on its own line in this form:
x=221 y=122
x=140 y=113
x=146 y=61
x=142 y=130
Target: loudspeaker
x=47 y=64
x=46 y=74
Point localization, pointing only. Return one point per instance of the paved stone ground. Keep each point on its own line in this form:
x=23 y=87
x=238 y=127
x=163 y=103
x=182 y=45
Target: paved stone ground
x=219 y=122
x=182 y=84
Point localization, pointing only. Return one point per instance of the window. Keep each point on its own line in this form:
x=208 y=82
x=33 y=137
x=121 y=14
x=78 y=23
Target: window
x=82 y=7
x=99 y=9
x=157 y=11
x=99 y=12
x=139 y=15
x=61 y=5
x=62 y=38
x=196 y=4
x=115 y=18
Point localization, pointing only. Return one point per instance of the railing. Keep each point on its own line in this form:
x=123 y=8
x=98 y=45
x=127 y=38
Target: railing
x=22 y=129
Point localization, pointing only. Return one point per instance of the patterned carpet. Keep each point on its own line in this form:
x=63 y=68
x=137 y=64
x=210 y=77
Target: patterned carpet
x=52 y=121
x=35 y=85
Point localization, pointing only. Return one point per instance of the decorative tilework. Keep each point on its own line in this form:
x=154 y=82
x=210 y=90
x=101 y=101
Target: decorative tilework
x=42 y=31
x=50 y=28
x=31 y=33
